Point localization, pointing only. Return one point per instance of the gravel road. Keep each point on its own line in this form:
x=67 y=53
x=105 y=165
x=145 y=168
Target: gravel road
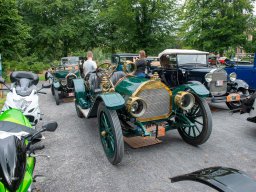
x=78 y=162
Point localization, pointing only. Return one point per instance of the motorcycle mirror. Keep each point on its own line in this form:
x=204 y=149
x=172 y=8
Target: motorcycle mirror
x=46 y=75
x=46 y=86
x=50 y=126
x=2 y=81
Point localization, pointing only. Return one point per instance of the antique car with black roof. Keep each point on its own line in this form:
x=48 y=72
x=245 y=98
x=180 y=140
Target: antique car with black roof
x=139 y=110
x=61 y=77
x=180 y=66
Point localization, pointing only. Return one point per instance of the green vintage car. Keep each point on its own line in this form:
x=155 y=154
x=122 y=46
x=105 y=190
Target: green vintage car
x=61 y=77
x=140 y=110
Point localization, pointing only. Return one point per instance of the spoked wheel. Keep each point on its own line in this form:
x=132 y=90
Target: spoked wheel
x=195 y=125
x=110 y=134
x=52 y=89
x=56 y=96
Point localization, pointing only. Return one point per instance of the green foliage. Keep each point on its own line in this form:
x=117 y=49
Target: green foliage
x=216 y=25
x=14 y=32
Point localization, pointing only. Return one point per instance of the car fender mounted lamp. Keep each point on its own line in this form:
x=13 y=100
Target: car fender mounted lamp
x=136 y=106
x=184 y=100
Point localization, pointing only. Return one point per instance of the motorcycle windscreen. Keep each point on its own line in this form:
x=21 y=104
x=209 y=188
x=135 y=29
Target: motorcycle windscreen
x=12 y=162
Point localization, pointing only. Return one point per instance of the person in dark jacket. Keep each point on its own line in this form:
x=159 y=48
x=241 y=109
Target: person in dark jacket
x=141 y=64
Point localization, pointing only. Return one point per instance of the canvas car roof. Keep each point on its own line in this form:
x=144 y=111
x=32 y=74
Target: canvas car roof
x=181 y=51
x=126 y=54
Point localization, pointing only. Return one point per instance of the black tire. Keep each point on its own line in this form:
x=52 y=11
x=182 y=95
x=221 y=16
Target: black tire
x=116 y=134
x=78 y=112
x=56 y=96
x=201 y=109
x=52 y=89
x=234 y=105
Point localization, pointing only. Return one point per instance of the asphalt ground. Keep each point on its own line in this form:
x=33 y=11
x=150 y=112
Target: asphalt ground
x=78 y=163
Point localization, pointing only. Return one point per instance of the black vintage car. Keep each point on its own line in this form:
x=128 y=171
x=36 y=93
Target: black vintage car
x=179 y=66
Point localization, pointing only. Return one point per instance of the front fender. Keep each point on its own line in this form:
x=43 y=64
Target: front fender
x=56 y=84
x=241 y=84
x=221 y=179
x=80 y=93
x=112 y=101
x=194 y=87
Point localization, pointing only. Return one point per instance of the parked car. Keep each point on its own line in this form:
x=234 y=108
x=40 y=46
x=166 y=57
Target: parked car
x=61 y=77
x=245 y=70
x=120 y=58
x=140 y=108
x=182 y=67
x=223 y=179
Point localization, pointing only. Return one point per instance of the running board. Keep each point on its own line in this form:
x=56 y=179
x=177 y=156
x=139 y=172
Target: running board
x=84 y=111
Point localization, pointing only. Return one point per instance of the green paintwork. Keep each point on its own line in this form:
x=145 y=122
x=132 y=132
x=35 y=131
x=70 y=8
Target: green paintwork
x=198 y=89
x=129 y=85
x=64 y=73
x=80 y=94
x=112 y=101
x=15 y=116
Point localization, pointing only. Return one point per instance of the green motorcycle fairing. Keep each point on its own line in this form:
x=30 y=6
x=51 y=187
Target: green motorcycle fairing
x=16 y=116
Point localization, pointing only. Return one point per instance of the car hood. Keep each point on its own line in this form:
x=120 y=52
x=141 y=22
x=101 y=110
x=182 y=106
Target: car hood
x=64 y=73
x=129 y=85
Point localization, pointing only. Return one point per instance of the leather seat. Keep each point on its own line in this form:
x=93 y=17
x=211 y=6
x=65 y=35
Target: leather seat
x=117 y=76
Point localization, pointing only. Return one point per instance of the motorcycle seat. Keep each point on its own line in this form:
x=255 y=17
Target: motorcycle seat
x=17 y=75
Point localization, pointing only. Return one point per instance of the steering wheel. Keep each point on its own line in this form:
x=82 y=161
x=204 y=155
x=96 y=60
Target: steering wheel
x=105 y=69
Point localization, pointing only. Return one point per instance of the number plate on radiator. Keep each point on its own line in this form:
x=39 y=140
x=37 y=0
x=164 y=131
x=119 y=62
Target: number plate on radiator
x=219 y=83
x=71 y=94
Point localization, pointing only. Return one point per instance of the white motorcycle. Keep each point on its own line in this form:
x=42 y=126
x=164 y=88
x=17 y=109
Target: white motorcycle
x=23 y=95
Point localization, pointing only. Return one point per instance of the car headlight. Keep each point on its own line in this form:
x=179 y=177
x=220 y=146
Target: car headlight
x=22 y=104
x=63 y=82
x=136 y=106
x=232 y=76
x=208 y=77
x=184 y=100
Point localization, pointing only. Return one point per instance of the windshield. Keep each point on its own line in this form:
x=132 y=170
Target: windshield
x=70 y=61
x=194 y=60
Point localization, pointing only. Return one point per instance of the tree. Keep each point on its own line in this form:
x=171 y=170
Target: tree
x=13 y=31
x=132 y=25
x=215 y=25
x=59 y=27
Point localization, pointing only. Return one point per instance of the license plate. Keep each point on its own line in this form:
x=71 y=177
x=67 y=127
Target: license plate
x=233 y=97
x=219 y=83
x=155 y=133
x=71 y=94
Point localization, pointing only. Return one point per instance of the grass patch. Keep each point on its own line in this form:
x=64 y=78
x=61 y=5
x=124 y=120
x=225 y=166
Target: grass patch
x=2 y=100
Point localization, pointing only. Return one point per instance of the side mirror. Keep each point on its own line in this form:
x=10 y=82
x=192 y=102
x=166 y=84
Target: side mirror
x=50 y=126
x=46 y=86
x=2 y=81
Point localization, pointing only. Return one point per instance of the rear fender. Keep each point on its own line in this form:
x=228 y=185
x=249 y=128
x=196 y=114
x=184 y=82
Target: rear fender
x=194 y=87
x=220 y=178
x=112 y=101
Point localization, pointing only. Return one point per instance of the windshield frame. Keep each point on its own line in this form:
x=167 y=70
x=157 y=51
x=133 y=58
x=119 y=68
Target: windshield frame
x=194 y=64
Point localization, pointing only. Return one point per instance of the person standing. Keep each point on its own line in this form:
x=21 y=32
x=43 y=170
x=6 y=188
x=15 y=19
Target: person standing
x=89 y=65
x=141 y=64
